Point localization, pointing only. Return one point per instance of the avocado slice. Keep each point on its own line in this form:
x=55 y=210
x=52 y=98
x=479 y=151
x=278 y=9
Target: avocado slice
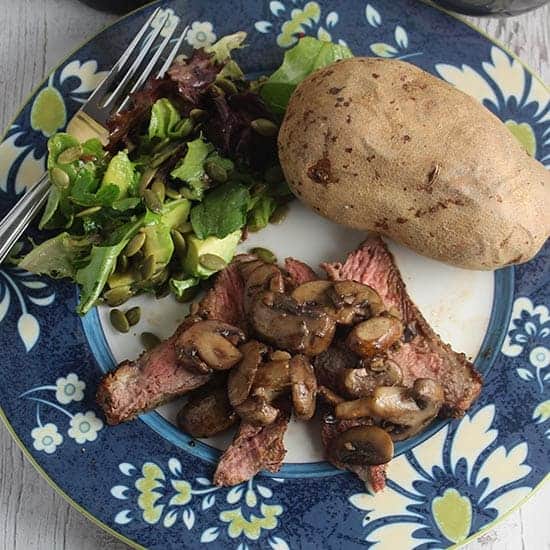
x=224 y=248
x=120 y=172
x=158 y=240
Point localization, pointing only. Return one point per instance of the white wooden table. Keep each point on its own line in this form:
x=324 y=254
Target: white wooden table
x=34 y=36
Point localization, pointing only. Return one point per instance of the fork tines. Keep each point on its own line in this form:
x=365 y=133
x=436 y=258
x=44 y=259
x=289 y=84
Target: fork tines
x=127 y=76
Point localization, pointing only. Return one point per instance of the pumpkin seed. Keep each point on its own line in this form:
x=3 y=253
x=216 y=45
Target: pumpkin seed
x=197 y=114
x=165 y=154
x=215 y=171
x=133 y=315
x=279 y=214
x=162 y=291
x=119 y=321
x=152 y=201
x=264 y=127
x=188 y=294
x=274 y=174
x=70 y=155
x=216 y=90
x=146 y=179
x=194 y=308
x=118 y=295
x=264 y=254
x=160 y=277
x=172 y=193
x=227 y=86
x=88 y=211
x=59 y=177
x=149 y=340
x=160 y=189
x=211 y=261
x=135 y=244
x=147 y=268
x=122 y=263
x=185 y=227
x=184 y=127
x=180 y=245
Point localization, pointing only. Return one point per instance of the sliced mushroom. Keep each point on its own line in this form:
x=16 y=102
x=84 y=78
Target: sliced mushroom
x=241 y=378
x=280 y=320
x=272 y=379
x=256 y=410
x=304 y=387
x=355 y=301
x=331 y=397
x=315 y=293
x=362 y=382
x=375 y=335
x=408 y=409
x=260 y=276
x=362 y=446
x=206 y=413
x=358 y=408
x=209 y=345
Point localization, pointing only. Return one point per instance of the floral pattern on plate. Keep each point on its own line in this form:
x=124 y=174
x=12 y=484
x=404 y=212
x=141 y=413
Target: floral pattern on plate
x=246 y=511
x=83 y=427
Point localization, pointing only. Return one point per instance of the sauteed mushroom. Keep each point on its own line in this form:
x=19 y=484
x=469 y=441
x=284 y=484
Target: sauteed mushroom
x=347 y=302
x=304 y=387
x=362 y=445
x=241 y=378
x=256 y=410
x=331 y=397
x=280 y=320
x=355 y=301
x=375 y=335
x=207 y=412
x=260 y=276
x=362 y=382
x=409 y=409
x=209 y=345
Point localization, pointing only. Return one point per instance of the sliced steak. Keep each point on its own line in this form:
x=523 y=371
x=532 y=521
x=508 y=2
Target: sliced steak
x=422 y=354
x=149 y=381
x=224 y=301
x=157 y=377
x=254 y=448
x=299 y=272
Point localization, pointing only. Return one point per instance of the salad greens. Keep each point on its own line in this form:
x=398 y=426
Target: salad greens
x=165 y=202
x=307 y=56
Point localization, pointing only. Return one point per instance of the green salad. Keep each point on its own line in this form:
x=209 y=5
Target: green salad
x=190 y=166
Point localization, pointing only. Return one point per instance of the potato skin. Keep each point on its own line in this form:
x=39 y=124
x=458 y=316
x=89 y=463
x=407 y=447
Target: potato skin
x=381 y=145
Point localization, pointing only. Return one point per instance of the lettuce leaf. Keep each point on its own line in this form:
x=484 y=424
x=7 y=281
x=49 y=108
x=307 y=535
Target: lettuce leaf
x=258 y=216
x=57 y=257
x=190 y=168
x=225 y=45
x=222 y=211
x=93 y=277
x=166 y=122
x=306 y=57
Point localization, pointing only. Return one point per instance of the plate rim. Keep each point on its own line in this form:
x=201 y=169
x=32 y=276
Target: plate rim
x=120 y=20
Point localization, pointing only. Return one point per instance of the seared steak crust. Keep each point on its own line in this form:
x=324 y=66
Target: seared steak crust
x=423 y=354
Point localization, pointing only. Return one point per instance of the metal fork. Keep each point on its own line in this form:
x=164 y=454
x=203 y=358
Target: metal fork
x=110 y=97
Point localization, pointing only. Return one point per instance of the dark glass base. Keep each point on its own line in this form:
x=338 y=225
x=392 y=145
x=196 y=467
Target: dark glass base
x=116 y=6
x=487 y=7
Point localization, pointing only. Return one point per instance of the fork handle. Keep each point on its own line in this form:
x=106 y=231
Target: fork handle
x=18 y=218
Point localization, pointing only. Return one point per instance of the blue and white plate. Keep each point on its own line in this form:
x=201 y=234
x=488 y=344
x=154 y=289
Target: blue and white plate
x=148 y=483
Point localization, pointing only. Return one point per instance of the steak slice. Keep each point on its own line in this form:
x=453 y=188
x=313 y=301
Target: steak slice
x=299 y=272
x=423 y=354
x=156 y=377
x=254 y=448
x=224 y=301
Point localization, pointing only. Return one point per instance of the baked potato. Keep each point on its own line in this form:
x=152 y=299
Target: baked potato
x=381 y=145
